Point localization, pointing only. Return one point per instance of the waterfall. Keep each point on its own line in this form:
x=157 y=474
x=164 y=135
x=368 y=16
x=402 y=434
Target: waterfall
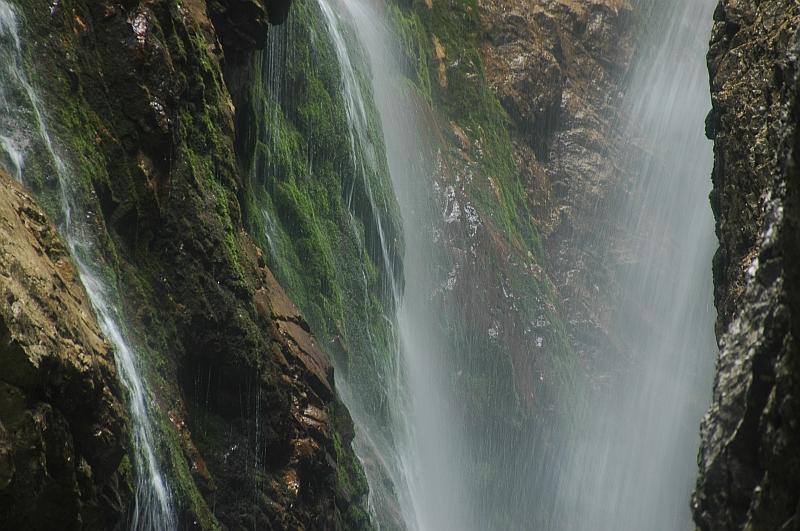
x=428 y=441
x=18 y=123
x=360 y=146
x=628 y=461
x=632 y=462
x=24 y=134
x=409 y=452
x=622 y=461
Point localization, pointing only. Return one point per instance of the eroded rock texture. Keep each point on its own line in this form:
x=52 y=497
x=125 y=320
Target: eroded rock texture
x=63 y=427
x=749 y=460
x=249 y=429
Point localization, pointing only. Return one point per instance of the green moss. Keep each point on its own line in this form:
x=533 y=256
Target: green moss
x=351 y=482
x=466 y=99
x=446 y=38
x=109 y=186
x=310 y=204
x=415 y=45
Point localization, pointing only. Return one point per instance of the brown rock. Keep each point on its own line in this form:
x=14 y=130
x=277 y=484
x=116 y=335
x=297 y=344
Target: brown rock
x=63 y=429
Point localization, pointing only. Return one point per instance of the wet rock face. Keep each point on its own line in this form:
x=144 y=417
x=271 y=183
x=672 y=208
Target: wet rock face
x=749 y=460
x=242 y=25
x=63 y=427
x=251 y=433
x=526 y=76
x=542 y=57
x=557 y=67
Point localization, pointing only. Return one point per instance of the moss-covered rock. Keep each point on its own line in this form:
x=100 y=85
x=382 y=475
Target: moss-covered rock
x=143 y=117
x=322 y=203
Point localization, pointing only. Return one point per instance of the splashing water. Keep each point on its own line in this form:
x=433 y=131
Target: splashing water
x=23 y=133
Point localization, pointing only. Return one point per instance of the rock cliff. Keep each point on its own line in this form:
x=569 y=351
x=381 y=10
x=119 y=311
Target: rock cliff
x=558 y=68
x=749 y=459
x=191 y=148
x=521 y=98
x=139 y=99
x=63 y=427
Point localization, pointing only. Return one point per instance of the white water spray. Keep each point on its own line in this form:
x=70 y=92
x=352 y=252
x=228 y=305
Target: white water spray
x=632 y=462
x=428 y=462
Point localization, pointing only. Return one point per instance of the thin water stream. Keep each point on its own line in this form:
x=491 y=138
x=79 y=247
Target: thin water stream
x=23 y=136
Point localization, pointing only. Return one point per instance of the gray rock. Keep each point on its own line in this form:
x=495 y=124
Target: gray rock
x=750 y=455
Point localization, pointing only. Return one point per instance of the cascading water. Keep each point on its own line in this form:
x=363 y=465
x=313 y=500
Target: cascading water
x=629 y=460
x=18 y=123
x=412 y=450
x=427 y=439
x=407 y=448
x=632 y=462
x=23 y=135
x=361 y=149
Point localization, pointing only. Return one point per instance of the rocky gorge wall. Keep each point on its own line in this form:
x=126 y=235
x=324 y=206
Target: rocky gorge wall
x=250 y=430
x=520 y=98
x=153 y=105
x=152 y=100
x=749 y=460
x=559 y=68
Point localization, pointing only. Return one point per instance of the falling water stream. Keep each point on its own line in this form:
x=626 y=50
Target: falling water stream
x=629 y=464
x=24 y=134
x=632 y=464
x=426 y=435
x=416 y=454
